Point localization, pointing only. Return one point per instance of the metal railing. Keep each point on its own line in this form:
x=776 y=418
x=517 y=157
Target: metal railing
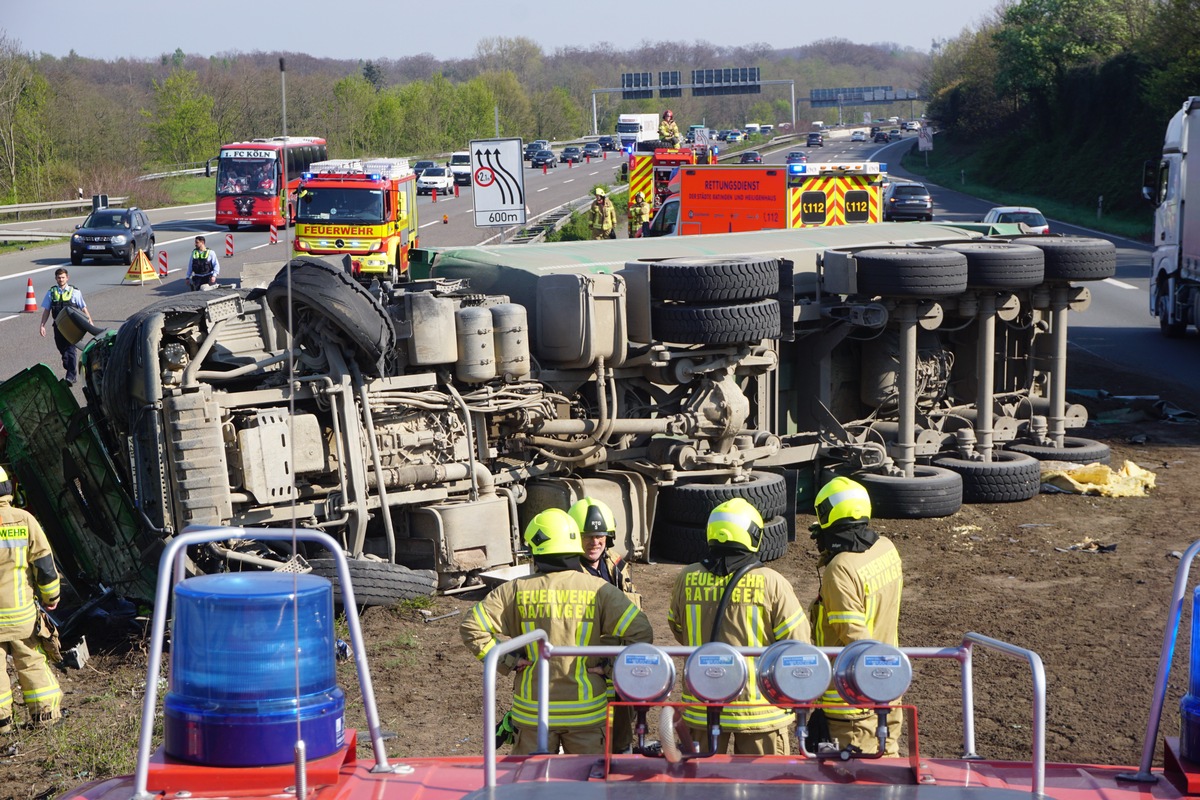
x=52 y=207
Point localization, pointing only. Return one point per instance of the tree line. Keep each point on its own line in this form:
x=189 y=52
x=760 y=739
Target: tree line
x=72 y=123
x=1068 y=97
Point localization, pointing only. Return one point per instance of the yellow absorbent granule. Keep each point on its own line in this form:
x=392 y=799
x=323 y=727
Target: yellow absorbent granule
x=1097 y=479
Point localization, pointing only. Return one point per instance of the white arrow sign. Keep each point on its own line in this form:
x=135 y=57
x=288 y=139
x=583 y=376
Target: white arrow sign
x=498 y=178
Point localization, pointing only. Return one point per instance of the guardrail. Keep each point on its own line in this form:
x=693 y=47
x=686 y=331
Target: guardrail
x=17 y=210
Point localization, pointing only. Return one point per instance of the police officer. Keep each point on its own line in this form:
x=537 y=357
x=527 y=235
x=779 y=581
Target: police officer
x=203 y=267
x=25 y=555
x=763 y=610
x=602 y=219
x=57 y=298
x=574 y=608
x=861 y=582
x=668 y=131
x=598 y=527
x=640 y=212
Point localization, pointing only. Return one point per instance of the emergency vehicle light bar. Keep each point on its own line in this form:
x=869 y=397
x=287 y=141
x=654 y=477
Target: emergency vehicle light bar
x=866 y=168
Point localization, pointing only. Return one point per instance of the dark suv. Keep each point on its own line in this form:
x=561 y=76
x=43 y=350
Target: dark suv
x=907 y=201
x=816 y=140
x=113 y=233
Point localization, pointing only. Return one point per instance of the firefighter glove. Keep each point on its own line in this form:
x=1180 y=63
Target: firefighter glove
x=505 y=732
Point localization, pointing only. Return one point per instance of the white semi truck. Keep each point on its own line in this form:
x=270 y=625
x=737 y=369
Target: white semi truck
x=1175 y=269
x=635 y=128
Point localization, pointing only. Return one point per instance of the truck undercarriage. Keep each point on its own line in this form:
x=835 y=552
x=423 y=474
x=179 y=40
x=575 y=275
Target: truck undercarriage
x=423 y=424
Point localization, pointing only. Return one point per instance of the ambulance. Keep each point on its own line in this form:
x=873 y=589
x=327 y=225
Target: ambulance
x=727 y=199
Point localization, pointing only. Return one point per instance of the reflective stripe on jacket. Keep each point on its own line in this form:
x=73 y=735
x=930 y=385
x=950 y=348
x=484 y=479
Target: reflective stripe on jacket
x=60 y=298
x=23 y=548
x=859 y=599
x=574 y=608
x=763 y=609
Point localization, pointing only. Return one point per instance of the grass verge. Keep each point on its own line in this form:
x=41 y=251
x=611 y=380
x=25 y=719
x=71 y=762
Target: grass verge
x=955 y=168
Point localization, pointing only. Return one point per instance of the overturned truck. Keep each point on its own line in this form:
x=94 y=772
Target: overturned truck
x=423 y=423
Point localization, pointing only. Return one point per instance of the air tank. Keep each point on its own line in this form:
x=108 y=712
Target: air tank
x=510 y=327
x=476 y=345
x=433 y=340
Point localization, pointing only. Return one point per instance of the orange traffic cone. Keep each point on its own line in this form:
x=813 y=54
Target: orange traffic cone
x=445 y=219
x=30 y=297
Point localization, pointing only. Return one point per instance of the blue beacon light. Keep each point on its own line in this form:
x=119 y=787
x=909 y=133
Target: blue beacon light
x=252 y=662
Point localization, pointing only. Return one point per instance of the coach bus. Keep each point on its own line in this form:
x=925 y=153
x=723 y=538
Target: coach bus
x=252 y=177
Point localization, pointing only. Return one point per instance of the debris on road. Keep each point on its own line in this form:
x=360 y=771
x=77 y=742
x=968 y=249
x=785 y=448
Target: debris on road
x=1096 y=479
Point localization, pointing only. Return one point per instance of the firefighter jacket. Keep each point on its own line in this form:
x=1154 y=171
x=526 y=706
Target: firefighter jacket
x=24 y=553
x=762 y=610
x=859 y=599
x=668 y=131
x=639 y=213
x=616 y=571
x=574 y=608
x=601 y=217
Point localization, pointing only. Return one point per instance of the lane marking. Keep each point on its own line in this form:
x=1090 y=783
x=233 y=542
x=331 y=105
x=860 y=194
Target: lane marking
x=569 y=180
x=544 y=188
x=1120 y=284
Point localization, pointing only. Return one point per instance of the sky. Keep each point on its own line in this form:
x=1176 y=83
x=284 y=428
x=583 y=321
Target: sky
x=366 y=29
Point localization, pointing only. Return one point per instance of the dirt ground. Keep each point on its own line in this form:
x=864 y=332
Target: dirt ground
x=1006 y=571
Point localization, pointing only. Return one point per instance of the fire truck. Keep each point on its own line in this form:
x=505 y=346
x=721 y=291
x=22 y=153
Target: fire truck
x=364 y=210
x=725 y=199
x=651 y=171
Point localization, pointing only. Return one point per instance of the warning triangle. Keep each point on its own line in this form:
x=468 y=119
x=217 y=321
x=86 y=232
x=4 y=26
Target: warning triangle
x=141 y=270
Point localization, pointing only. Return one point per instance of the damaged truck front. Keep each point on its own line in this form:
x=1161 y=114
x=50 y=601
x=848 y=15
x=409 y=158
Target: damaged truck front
x=423 y=423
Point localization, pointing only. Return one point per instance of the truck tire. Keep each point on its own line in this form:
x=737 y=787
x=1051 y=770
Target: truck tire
x=997 y=265
x=714 y=280
x=690 y=503
x=1075 y=258
x=1171 y=330
x=911 y=272
x=1075 y=450
x=747 y=323
x=775 y=540
x=687 y=544
x=681 y=544
x=378 y=583
x=323 y=293
x=931 y=492
x=1010 y=477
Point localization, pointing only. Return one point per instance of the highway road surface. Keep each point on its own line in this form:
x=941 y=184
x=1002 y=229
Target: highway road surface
x=1117 y=327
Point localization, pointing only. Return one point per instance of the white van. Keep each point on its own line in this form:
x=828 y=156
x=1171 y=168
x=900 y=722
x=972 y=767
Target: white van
x=460 y=167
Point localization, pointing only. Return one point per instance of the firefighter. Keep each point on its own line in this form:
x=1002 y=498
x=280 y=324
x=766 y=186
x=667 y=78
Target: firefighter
x=203 y=267
x=668 y=131
x=598 y=527
x=574 y=608
x=861 y=581
x=640 y=212
x=602 y=219
x=762 y=610
x=26 y=566
x=57 y=298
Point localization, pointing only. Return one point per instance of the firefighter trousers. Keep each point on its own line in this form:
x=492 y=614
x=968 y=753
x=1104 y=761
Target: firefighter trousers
x=39 y=687
x=859 y=730
x=746 y=743
x=572 y=740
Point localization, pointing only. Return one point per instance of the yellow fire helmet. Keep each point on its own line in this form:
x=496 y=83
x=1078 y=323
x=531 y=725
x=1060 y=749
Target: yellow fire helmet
x=842 y=499
x=594 y=517
x=736 y=522
x=553 y=533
